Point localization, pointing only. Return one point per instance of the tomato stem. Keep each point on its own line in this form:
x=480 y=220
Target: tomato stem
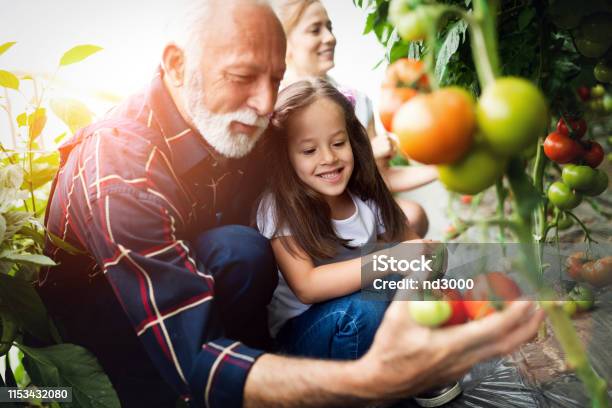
x=501 y=200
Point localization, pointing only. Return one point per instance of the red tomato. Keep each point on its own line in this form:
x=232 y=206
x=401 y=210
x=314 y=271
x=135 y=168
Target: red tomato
x=494 y=286
x=584 y=92
x=598 y=273
x=466 y=199
x=579 y=127
x=459 y=314
x=594 y=154
x=560 y=148
x=574 y=264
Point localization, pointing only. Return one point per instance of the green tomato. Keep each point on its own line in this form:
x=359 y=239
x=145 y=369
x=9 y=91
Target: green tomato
x=583 y=297
x=413 y=26
x=600 y=184
x=609 y=140
x=562 y=196
x=598 y=90
x=581 y=178
x=399 y=8
x=430 y=313
x=596 y=27
x=565 y=221
x=603 y=72
x=473 y=173
x=512 y=114
x=591 y=48
x=607 y=102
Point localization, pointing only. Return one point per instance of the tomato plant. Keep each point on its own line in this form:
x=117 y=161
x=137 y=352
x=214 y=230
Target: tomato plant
x=541 y=41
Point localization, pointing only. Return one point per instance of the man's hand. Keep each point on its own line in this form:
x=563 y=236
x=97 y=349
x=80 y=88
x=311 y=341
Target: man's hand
x=406 y=359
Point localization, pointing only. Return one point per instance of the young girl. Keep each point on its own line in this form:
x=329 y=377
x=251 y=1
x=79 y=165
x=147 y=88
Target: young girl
x=326 y=200
x=311 y=46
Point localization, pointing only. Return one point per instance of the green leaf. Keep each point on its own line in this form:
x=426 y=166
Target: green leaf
x=78 y=53
x=36 y=122
x=370 y=22
x=22 y=119
x=15 y=221
x=454 y=37
x=23 y=301
x=72 y=112
x=8 y=80
x=66 y=246
x=525 y=18
x=42 y=174
x=69 y=365
x=35 y=259
x=4 y=47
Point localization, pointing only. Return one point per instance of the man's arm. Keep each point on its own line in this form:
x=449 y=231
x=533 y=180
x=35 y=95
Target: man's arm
x=404 y=360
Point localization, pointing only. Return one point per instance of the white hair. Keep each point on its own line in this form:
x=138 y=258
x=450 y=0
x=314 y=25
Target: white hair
x=188 y=19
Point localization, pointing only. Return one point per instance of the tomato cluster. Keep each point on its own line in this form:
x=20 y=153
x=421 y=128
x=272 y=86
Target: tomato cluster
x=579 y=176
x=597 y=272
x=491 y=291
x=470 y=141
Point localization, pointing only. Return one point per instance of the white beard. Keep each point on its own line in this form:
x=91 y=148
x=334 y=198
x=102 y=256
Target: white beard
x=214 y=127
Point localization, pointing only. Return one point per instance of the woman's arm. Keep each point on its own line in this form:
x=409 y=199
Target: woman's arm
x=406 y=178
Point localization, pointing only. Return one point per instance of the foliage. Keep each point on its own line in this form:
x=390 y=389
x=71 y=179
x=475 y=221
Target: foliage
x=26 y=170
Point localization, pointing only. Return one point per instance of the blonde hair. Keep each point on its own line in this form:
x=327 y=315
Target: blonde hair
x=289 y=12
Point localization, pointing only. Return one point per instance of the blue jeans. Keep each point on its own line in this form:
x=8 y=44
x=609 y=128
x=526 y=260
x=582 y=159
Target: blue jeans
x=243 y=265
x=341 y=328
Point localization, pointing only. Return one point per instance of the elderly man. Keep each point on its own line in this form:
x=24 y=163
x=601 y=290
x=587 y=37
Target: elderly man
x=168 y=287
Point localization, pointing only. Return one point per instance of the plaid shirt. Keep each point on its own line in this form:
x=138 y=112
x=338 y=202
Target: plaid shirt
x=132 y=193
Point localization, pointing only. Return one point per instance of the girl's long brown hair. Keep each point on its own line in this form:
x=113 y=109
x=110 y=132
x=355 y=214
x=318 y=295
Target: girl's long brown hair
x=299 y=208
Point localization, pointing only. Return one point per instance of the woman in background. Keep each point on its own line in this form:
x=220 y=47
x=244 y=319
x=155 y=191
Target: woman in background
x=310 y=53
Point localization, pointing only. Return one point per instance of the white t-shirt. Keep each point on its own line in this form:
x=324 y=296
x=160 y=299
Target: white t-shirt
x=361 y=228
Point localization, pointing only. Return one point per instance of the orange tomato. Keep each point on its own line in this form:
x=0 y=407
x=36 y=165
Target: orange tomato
x=391 y=100
x=403 y=80
x=407 y=72
x=436 y=128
